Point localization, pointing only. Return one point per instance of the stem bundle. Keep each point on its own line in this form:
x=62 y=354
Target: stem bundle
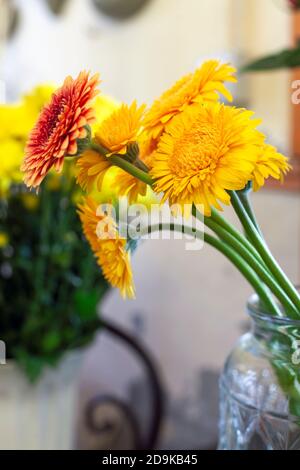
x=249 y=253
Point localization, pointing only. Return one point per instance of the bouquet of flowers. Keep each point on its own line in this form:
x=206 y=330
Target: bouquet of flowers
x=195 y=153
x=48 y=298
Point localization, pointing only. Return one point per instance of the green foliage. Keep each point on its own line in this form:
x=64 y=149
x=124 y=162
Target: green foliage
x=288 y=58
x=50 y=285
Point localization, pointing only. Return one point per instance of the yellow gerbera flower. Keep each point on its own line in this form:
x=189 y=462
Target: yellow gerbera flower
x=91 y=216
x=109 y=248
x=115 y=132
x=127 y=185
x=269 y=163
x=92 y=168
x=202 y=85
x=115 y=264
x=120 y=128
x=87 y=212
x=206 y=151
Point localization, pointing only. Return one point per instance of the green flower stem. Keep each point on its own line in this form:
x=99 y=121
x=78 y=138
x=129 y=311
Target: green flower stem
x=40 y=267
x=99 y=148
x=216 y=217
x=246 y=271
x=250 y=253
x=264 y=251
x=244 y=198
x=141 y=173
x=130 y=168
x=230 y=253
x=259 y=268
x=141 y=165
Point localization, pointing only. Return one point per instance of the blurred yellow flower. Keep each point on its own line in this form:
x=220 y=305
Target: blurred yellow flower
x=104 y=106
x=3 y=239
x=203 y=85
x=11 y=154
x=122 y=127
x=53 y=182
x=34 y=101
x=109 y=249
x=13 y=126
x=206 y=151
x=269 y=163
x=16 y=120
x=30 y=201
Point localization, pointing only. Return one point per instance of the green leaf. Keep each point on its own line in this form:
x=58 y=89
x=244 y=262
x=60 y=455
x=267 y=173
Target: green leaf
x=33 y=365
x=295 y=407
x=85 y=303
x=288 y=58
x=44 y=311
x=51 y=341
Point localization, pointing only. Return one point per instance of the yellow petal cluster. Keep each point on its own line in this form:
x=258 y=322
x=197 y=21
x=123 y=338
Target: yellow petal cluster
x=122 y=127
x=205 y=151
x=104 y=106
x=129 y=186
x=203 y=85
x=109 y=248
x=92 y=167
x=269 y=163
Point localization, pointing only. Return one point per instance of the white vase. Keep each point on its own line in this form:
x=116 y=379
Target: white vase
x=39 y=416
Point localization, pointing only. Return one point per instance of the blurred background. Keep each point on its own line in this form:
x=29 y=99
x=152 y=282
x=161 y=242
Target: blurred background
x=190 y=306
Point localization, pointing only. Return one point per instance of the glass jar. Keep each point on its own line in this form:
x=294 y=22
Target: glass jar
x=260 y=386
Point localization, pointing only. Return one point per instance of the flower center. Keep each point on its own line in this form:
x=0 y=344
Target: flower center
x=50 y=120
x=197 y=151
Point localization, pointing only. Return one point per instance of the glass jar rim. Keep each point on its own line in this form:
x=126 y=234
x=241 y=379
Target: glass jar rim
x=258 y=314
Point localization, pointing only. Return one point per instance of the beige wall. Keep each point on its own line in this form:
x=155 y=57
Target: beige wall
x=270 y=92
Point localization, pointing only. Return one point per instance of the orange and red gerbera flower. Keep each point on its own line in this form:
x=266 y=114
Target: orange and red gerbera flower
x=60 y=124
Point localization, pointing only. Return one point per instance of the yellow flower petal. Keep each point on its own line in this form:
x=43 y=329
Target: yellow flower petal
x=120 y=128
x=109 y=249
x=269 y=163
x=92 y=168
x=203 y=85
x=205 y=151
